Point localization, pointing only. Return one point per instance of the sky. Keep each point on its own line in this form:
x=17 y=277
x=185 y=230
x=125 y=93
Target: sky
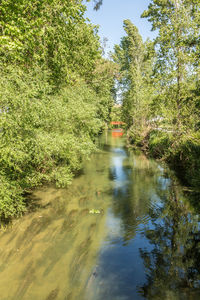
x=110 y=17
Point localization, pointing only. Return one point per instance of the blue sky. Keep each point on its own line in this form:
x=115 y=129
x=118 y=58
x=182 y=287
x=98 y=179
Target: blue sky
x=111 y=15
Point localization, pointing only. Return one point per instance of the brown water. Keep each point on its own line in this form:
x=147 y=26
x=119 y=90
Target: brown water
x=123 y=230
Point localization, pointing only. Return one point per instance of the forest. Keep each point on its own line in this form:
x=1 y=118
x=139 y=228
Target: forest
x=57 y=91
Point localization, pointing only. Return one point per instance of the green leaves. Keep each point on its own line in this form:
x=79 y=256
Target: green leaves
x=177 y=25
x=44 y=138
x=51 y=34
x=11 y=201
x=135 y=60
x=160 y=84
x=55 y=95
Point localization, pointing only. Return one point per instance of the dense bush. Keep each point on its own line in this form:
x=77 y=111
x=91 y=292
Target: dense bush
x=159 y=143
x=44 y=136
x=182 y=152
x=55 y=95
x=185 y=157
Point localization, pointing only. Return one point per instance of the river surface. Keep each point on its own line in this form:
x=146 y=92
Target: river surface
x=123 y=230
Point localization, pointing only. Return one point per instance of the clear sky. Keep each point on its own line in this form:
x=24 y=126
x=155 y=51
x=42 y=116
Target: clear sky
x=111 y=15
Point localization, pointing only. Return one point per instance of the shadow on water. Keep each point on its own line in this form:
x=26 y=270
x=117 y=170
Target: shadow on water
x=142 y=242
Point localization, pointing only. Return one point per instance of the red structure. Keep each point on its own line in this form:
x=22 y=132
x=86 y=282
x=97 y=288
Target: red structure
x=117 y=123
x=117 y=132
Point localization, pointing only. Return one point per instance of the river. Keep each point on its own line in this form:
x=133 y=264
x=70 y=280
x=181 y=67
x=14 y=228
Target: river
x=124 y=230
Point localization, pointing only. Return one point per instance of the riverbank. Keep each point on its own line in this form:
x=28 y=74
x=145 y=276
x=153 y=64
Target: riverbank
x=180 y=151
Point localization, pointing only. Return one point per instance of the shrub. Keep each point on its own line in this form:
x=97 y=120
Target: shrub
x=44 y=136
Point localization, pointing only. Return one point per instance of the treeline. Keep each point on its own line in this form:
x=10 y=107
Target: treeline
x=160 y=85
x=55 y=95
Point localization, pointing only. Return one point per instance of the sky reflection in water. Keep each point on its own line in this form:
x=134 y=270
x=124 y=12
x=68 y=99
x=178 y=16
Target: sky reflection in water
x=150 y=234
x=143 y=245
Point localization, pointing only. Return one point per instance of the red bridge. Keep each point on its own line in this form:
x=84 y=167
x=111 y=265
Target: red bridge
x=117 y=131
x=117 y=123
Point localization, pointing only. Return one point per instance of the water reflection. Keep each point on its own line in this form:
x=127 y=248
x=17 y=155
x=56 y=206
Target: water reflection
x=117 y=132
x=143 y=245
x=173 y=264
x=152 y=247
x=133 y=192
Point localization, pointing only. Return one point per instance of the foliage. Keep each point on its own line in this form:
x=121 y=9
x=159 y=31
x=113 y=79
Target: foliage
x=103 y=83
x=116 y=113
x=184 y=155
x=55 y=95
x=177 y=25
x=98 y=4
x=44 y=138
x=158 y=142
x=160 y=84
x=135 y=60
x=11 y=200
x=52 y=34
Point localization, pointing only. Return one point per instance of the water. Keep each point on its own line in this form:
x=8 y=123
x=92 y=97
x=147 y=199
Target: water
x=123 y=230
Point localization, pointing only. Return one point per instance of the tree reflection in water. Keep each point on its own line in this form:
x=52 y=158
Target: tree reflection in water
x=133 y=191
x=173 y=265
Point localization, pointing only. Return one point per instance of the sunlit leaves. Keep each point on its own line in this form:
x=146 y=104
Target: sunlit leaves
x=51 y=106
x=135 y=60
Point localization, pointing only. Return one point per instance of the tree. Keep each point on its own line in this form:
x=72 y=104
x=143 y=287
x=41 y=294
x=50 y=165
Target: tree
x=176 y=25
x=51 y=108
x=103 y=82
x=52 y=34
x=98 y=4
x=135 y=60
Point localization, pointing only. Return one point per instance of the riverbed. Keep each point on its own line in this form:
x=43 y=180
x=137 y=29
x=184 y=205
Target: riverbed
x=124 y=230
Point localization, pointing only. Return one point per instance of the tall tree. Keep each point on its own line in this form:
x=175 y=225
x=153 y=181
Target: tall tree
x=135 y=62
x=177 y=27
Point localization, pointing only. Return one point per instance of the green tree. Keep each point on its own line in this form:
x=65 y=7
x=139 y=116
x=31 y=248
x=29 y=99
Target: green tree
x=103 y=82
x=177 y=27
x=52 y=34
x=51 y=108
x=98 y=4
x=135 y=59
